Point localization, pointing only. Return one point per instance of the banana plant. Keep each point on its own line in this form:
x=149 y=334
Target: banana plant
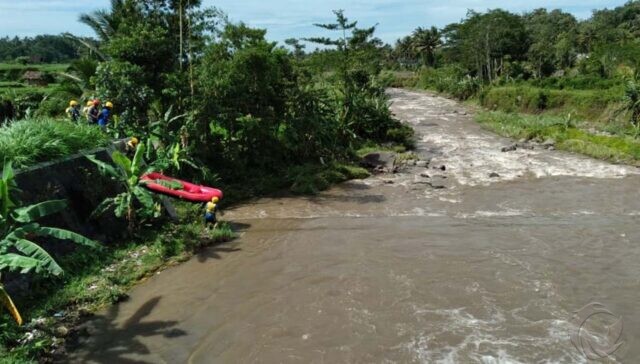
x=128 y=172
x=18 y=227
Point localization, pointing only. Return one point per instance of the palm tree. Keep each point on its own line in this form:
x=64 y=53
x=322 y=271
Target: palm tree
x=425 y=42
x=103 y=22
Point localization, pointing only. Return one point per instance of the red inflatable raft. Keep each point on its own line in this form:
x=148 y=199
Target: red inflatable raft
x=189 y=191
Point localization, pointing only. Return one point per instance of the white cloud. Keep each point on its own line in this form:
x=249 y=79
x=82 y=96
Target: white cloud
x=288 y=18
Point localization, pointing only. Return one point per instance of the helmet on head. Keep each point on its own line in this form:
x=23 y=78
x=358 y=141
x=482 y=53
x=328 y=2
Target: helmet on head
x=73 y=103
x=109 y=105
x=134 y=140
x=215 y=200
x=89 y=103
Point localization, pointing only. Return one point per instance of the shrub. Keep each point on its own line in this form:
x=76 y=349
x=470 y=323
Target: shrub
x=28 y=142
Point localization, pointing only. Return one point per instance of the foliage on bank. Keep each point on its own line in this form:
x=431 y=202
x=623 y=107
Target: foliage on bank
x=619 y=147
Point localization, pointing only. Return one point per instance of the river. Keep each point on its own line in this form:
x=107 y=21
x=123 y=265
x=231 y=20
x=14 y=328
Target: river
x=490 y=269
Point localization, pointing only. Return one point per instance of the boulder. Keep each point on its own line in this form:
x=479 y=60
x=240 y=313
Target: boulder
x=494 y=175
x=422 y=164
x=380 y=161
x=509 y=148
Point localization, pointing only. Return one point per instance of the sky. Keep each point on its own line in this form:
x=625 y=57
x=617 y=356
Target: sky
x=289 y=18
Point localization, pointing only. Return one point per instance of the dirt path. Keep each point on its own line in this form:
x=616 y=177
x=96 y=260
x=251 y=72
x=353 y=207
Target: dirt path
x=488 y=269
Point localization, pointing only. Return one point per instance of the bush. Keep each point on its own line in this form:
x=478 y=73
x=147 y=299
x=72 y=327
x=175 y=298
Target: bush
x=585 y=104
x=32 y=141
x=451 y=80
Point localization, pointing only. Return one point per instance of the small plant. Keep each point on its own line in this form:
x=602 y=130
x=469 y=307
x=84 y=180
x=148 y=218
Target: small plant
x=631 y=103
x=128 y=172
x=17 y=229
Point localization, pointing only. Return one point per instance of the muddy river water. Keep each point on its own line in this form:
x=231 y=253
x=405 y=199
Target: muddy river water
x=390 y=269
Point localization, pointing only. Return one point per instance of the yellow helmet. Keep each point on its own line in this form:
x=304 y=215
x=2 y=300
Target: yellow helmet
x=134 y=140
x=73 y=103
x=215 y=200
x=109 y=105
x=89 y=103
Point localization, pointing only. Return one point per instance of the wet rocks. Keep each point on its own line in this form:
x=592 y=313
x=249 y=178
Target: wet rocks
x=438 y=182
x=422 y=164
x=516 y=146
x=381 y=162
x=548 y=144
x=494 y=175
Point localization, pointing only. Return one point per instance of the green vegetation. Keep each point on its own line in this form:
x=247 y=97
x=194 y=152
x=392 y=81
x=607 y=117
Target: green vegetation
x=18 y=228
x=541 y=62
x=92 y=280
x=617 y=148
x=212 y=102
x=42 y=48
x=592 y=105
x=27 y=142
x=128 y=172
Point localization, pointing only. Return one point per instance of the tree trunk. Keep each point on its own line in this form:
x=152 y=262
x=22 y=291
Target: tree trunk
x=181 y=38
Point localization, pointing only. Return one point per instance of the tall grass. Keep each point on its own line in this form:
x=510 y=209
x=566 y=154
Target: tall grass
x=593 y=105
x=614 y=148
x=27 y=142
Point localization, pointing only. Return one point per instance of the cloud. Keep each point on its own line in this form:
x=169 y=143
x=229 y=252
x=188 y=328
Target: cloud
x=288 y=18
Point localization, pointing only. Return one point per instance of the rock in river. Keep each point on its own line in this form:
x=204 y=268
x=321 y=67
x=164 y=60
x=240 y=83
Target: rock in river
x=380 y=161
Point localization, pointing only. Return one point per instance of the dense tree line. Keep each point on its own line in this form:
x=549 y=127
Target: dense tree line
x=41 y=48
x=220 y=94
x=497 y=44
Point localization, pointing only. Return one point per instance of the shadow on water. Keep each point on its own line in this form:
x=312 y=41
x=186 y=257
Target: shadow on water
x=215 y=252
x=123 y=340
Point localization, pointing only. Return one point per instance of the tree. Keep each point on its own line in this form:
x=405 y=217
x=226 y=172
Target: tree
x=425 y=42
x=554 y=40
x=484 y=42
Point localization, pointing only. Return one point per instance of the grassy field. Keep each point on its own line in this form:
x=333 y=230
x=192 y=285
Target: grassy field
x=617 y=148
x=53 y=67
x=592 y=105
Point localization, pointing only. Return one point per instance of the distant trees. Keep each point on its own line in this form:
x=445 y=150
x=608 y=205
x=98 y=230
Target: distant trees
x=42 y=48
x=498 y=44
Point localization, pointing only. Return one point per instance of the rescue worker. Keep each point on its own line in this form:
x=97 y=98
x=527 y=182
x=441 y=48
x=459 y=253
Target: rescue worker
x=131 y=146
x=85 y=110
x=73 y=111
x=105 y=115
x=210 y=219
x=94 y=112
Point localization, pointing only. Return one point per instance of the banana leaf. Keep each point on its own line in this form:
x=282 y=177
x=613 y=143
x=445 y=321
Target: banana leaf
x=62 y=234
x=34 y=212
x=33 y=250
x=13 y=262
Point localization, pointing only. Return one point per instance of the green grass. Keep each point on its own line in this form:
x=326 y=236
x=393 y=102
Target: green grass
x=94 y=280
x=311 y=179
x=28 y=142
x=592 y=105
x=50 y=67
x=614 y=148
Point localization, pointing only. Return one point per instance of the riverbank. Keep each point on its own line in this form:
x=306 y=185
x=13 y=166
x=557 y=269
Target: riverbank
x=54 y=308
x=586 y=121
x=487 y=266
